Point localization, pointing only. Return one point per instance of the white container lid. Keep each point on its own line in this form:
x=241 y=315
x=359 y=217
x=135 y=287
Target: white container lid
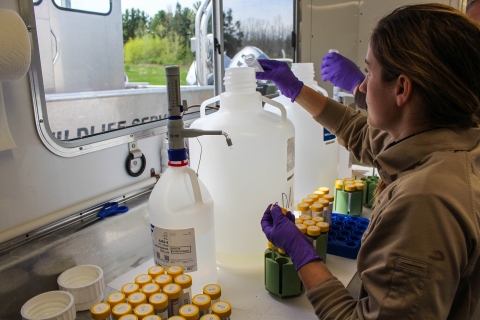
x=85 y=283
x=53 y=305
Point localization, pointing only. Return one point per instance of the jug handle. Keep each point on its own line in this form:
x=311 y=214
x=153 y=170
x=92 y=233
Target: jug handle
x=318 y=88
x=205 y=103
x=195 y=186
x=277 y=105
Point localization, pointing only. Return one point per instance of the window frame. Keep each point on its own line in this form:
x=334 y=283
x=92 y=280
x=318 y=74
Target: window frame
x=84 y=11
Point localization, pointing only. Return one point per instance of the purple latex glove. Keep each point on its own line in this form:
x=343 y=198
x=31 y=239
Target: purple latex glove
x=340 y=71
x=280 y=73
x=281 y=230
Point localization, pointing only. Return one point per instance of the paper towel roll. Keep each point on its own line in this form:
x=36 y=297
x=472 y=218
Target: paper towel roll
x=15 y=52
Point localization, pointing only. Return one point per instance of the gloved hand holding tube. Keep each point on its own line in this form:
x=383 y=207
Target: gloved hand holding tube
x=280 y=73
x=282 y=232
x=341 y=71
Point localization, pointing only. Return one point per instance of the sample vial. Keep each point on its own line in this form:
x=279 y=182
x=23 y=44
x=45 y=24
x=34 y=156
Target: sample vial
x=308 y=201
x=185 y=281
x=155 y=271
x=305 y=217
x=159 y=301
x=173 y=292
x=329 y=208
x=153 y=317
x=130 y=288
x=163 y=280
x=115 y=298
x=150 y=288
x=324 y=190
x=304 y=209
x=101 y=311
x=143 y=310
x=222 y=309
x=128 y=317
x=302 y=228
x=210 y=317
x=317 y=209
x=214 y=291
x=318 y=219
x=313 y=232
x=325 y=203
x=298 y=221
x=203 y=302
x=136 y=299
x=309 y=223
x=189 y=312
x=320 y=193
x=121 y=309
x=314 y=197
x=176 y=318
x=143 y=279
x=175 y=271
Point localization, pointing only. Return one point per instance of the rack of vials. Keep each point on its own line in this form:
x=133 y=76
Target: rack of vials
x=160 y=295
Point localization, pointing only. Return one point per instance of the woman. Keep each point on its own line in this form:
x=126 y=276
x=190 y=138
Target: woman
x=420 y=254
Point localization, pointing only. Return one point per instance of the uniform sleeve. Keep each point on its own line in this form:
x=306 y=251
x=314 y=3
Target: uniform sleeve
x=410 y=262
x=353 y=132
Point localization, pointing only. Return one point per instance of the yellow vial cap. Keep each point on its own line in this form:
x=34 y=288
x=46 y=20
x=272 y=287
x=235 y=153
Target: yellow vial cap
x=128 y=317
x=143 y=310
x=281 y=251
x=100 y=311
x=210 y=317
x=115 y=298
x=318 y=219
x=302 y=207
x=156 y=271
x=349 y=187
x=130 y=288
x=324 y=226
x=213 y=290
x=175 y=270
x=172 y=290
x=324 y=189
x=159 y=301
x=163 y=280
x=309 y=223
x=222 y=309
x=328 y=197
x=189 y=311
x=298 y=221
x=202 y=301
x=176 y=318
x=359 y=186
x=317 y=207
x=121 y=309
x=313 y=231
x=314 y=196
x=150 y=288
x=143 y=279
x=184 y=281
x=137 y=298
x=270 y=245
x=302 y=228
x=304 y=217
x=323 y=202
x=152 y=317
x=307 y=201
x=320 y=193
x=339 y=184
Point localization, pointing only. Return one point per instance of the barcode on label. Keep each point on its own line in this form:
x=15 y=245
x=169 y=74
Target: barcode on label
x=166 y=258
x=189 y=268
x=158 y=255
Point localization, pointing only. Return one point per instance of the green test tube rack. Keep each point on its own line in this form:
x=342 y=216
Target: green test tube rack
x=281 y=278
x=348 y=199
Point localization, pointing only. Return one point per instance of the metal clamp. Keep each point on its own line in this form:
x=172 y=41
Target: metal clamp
x=133 y=160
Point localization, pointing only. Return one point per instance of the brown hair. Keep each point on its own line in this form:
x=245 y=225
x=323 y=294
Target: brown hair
x=438 y=47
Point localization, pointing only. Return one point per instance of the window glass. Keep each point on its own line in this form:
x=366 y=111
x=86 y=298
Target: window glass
x=94 y=6
x=36 y=1
x=105 y=72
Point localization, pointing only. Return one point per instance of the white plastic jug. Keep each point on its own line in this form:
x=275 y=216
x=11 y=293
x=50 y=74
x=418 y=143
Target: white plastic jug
x=182 y=225
x=259 y=169
x=316 y=150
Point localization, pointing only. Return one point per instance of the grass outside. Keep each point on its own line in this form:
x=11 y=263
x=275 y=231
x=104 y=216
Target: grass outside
x=154 y=74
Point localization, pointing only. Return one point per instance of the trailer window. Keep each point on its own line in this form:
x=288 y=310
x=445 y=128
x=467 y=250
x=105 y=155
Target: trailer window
x=87 y=6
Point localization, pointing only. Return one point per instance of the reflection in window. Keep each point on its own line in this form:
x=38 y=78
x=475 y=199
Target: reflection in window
x=95 y=6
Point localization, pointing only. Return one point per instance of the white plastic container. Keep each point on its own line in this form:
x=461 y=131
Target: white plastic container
x=85 y=283
x=181 y=215
x=257 y=171
x=164 y=155
x=316 y=151
x=53 y=305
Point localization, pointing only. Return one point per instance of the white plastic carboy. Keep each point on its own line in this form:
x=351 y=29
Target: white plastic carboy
x=258 y=171
x=181 y=208
x=316 y=148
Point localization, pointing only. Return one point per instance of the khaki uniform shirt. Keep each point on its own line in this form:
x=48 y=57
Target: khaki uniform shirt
x=419 y=257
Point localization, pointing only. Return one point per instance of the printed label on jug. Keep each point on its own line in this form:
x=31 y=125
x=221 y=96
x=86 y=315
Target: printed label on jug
x=290 y=154
x=175 y=247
